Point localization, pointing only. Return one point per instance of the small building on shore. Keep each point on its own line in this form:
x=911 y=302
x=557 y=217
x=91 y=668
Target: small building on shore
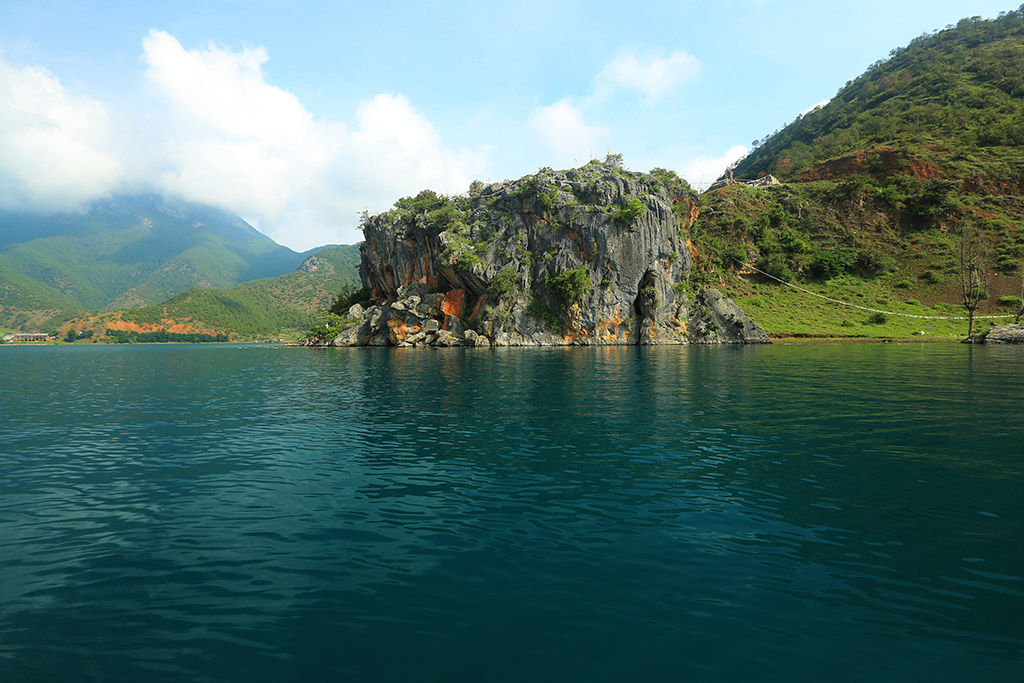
x=27 y=337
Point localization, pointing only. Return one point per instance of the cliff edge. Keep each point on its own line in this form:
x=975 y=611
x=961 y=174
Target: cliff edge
x=594 y=255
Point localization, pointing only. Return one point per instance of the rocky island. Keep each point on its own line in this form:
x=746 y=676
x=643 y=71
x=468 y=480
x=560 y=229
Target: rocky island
x=593 y=255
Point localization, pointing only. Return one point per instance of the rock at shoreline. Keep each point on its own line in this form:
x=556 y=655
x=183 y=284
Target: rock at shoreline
x=1001 y=334
x=595 y=255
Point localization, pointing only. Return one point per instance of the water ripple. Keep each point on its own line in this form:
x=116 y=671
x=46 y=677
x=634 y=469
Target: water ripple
x=254 y=513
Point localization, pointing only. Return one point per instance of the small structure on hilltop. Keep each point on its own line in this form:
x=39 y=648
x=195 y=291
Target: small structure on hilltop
x=764 y=181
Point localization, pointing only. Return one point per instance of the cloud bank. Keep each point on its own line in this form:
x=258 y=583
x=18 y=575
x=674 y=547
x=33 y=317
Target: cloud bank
x=234 y=140
x=563 y=130
x=811 y=108
x=207 y=126
x=56 y=148
x=562 y=127
x=651 y=76
x=210 y=128
x=703 y=170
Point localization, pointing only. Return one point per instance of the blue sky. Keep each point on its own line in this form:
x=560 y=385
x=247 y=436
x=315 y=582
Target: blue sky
x=299 y=115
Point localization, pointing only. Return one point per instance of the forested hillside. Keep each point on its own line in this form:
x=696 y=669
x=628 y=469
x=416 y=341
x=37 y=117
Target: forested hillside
x=124 y=252
x=912 y=168
x=268 y=308
x=953 y=101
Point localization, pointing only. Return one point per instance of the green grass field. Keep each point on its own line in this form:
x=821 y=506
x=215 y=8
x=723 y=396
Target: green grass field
x=782 y=310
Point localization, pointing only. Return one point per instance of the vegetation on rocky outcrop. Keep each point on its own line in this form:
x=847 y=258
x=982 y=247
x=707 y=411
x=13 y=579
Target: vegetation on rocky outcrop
x=593 y=255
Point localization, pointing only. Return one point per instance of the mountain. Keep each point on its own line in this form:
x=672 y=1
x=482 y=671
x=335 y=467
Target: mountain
x=125 y=252
x=948 y=105
x=282 y=306
x=877 y=192
x=593 y=255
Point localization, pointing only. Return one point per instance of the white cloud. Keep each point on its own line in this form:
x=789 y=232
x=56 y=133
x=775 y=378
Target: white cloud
x=651 y=76
x=229 y=138
x=702 y=171
x=811 y=108
x=393 y=151
x=225 y=91
x=393 y=137
x=562 y=127
x=54 y=146
x=210 y=128
x=236 y=141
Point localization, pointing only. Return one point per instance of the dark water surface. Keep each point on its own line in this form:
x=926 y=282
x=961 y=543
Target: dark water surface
x=792 y=513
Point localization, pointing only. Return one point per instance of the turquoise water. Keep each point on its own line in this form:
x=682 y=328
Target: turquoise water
x=787 y=513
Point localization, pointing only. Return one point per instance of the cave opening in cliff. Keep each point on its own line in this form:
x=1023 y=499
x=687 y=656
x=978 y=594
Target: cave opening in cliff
x=643 y=299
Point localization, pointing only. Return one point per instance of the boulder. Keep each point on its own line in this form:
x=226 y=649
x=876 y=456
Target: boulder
x=1003 y=334
x=716 y=319
x=447 y=338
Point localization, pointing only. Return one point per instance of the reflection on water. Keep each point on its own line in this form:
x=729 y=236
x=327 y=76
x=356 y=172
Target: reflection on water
x=257 y=513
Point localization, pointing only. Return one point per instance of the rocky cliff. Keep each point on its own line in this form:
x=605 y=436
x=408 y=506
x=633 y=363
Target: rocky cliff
x=594 y=255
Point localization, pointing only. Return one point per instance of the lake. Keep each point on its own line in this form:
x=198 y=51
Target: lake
x=257 y=513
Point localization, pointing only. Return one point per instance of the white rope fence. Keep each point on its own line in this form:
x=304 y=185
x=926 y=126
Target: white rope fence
x=877 y=310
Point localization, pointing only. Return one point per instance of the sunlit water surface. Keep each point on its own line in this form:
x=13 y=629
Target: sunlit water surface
x=788 y=513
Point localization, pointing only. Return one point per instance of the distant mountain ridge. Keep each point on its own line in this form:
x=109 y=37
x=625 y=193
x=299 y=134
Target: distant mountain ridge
x=281 y=306
x=125 y=252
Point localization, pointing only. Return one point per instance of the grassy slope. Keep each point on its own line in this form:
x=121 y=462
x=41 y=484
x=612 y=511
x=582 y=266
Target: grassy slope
x=858 y=249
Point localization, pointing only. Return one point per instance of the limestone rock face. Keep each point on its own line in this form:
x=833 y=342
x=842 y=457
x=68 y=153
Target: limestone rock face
x=714 y=319
x=595 y=255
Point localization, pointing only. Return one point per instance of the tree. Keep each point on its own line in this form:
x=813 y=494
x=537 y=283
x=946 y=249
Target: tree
x=347 y=297
x=613 y=161
x=571 y=286
x=1020 y=299
x=974 y=257
x=630 y=212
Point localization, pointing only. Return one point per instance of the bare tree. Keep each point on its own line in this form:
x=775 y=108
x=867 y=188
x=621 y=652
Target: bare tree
x=974 y=257
x=1020 y=299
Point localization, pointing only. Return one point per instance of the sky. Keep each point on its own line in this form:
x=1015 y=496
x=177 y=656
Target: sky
x=298 y=116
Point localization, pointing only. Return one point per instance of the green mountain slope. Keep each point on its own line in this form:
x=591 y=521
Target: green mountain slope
x=127 y=251
x=28 y=304
x=953 y=102
x=282 y=306
x=879 y=189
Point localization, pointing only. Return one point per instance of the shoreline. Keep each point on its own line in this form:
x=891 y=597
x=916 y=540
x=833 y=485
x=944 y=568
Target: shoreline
x=807 y=338
x=780 y=338
x=797 y=339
